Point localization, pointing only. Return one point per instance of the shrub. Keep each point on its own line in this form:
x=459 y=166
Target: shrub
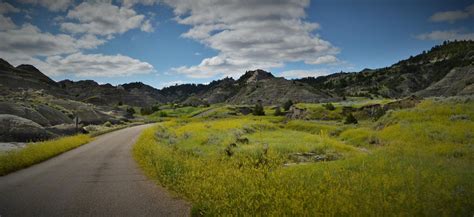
x=350 y=119
x=258 y=110
x=108 y=124
x=329 y=106
x=130 y=111
x=155 y=108
x=287 y=105
x=278 y=111
x=163 y=114
x=146 y=111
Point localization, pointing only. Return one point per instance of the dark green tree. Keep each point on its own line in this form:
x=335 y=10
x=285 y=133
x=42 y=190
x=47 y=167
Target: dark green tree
x=155 y=108
x=350 y=119
x=329 y=106
x=146 y=111
x=131 y=111
x=278 y=111
x=287 y=105
x=258 y=110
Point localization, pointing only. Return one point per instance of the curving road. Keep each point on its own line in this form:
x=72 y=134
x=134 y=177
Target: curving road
x=96 y=179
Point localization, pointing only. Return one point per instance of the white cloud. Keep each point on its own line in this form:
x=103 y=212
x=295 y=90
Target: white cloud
x=103 y=19
x=52 y=5
x=304 y=73
x=147 y=27
x=252 y=34
x=6 y=23
x=62 y=54
x=29 y=41
x=96 y=65
x=452 y=16
x=85 y=65
x=130 y=3
x=7 y=8
x=171 y=83
x=323 y=60
x=446 y=35
x=222 y=66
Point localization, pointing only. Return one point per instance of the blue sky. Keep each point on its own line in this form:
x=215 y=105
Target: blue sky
x=169 y=41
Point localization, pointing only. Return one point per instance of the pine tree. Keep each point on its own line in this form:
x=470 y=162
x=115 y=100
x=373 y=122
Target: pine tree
x=329 y=106
x=350 y=119
x=287 y=105
x=278 y=111
x=258 y=110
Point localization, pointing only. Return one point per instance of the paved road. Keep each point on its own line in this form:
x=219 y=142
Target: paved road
x=96 y=179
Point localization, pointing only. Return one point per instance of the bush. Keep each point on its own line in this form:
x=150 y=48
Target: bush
x=146 y=111
x=155 y=108
x=278 y=111
x=120 y=103
x=130 y=111
x=108 y=124
x=287 y=105
x=258 y=110
x=350 y=119
x=329 y=106
x=163 y=114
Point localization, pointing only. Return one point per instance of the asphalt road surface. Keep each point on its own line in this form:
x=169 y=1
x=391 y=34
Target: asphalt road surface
x=97 y=179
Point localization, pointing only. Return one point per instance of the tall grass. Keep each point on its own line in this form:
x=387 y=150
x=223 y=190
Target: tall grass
x=38 y=152
x=418 y=162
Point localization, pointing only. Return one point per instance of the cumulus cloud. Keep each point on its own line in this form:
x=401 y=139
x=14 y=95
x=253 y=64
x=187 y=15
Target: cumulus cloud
x=452 y=16
x=222 y=66
x=171 y=83
x=147 y=27
x=102 y=18
x=303 y=73
x=52 y=5
x=323 y=60
x=7 y=8
x=446 y=35
x=6 y=23
x=130 y=3
x=251 y=34
x=96 y=65
x=86 y=65
x=29 y=40
x=62 y=54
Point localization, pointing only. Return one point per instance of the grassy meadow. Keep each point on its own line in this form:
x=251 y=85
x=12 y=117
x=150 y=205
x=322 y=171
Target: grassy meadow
x=37 y=152
x=411 y=162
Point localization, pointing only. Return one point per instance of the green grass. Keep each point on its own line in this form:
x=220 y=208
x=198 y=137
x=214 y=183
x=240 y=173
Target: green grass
x=38 y=152
x=413 y=162
x=187 y=111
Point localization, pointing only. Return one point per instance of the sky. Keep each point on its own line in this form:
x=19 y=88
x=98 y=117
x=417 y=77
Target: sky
x=168 y=42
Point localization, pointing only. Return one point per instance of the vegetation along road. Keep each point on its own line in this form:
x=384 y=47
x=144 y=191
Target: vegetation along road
x=97 y=179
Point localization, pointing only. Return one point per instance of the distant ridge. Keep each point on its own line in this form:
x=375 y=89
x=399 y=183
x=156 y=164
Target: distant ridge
x=404 y=78
x=445 y=70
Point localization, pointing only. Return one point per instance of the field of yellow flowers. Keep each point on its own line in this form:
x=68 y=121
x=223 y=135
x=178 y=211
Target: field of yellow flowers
x=410 y=162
